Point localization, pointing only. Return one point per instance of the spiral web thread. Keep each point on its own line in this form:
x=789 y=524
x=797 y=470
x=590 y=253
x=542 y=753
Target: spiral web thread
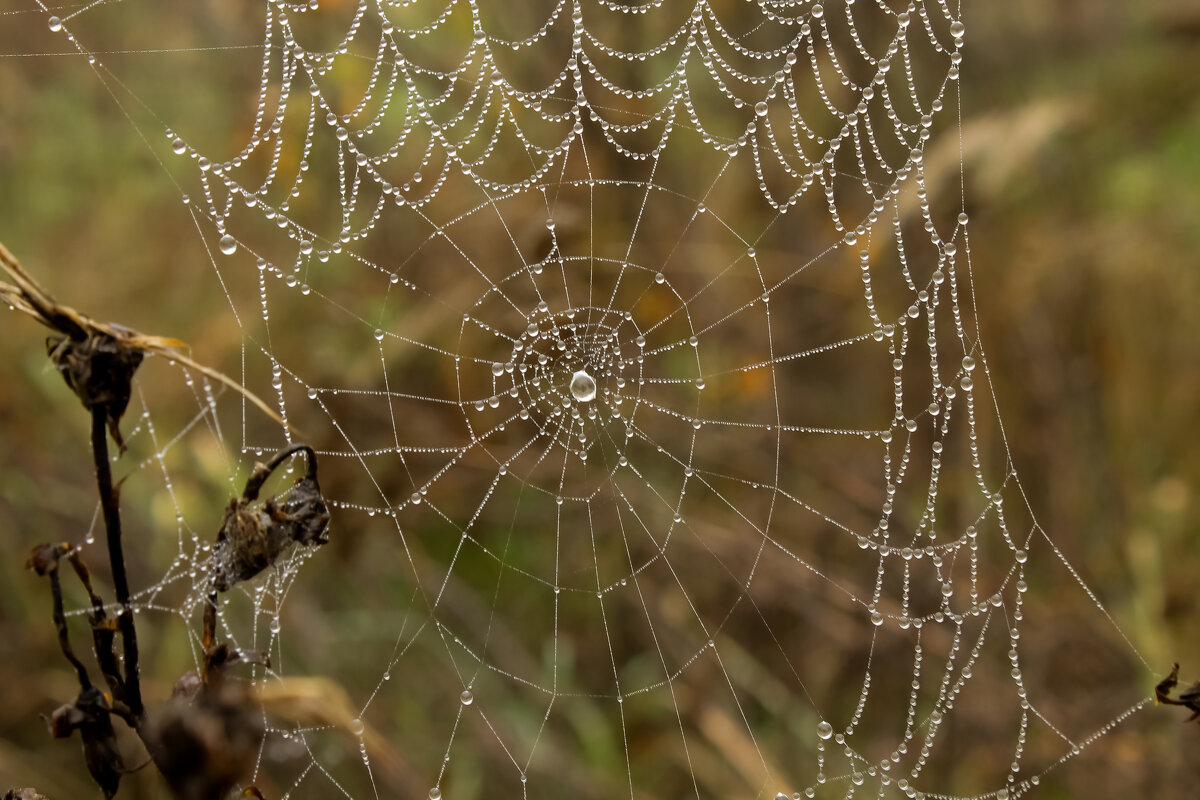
x=666 y=403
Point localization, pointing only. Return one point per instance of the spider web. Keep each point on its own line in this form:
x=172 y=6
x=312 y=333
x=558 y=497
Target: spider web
x=642 y=360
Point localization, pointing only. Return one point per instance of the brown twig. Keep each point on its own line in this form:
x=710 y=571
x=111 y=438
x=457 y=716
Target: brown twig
x=44 y=561
x=116 y=559
x=104 y=632
x=90 y=712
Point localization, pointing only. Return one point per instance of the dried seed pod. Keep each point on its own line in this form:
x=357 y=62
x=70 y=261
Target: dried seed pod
x=91 y=716
x=253 y=537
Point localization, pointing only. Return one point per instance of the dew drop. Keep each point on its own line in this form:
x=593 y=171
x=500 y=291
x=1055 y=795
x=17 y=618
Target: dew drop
x=435 y=794
x=357 y=727
x=824 y=729
x=583 y=386
x=178 y=147
x=55 y=24
x=275 y=625
x=466 y=698
x=228 y=245
x=378 y=335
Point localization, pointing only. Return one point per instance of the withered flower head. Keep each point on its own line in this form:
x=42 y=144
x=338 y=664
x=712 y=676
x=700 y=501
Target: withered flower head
x=253 y=537
x=99 y=368
x=97 y=359
x=1189 y=698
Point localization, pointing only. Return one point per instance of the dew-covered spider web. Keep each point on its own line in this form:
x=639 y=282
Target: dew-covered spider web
x=639 y=347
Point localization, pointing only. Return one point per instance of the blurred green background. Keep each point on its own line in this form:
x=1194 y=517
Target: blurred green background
x=1081 y=134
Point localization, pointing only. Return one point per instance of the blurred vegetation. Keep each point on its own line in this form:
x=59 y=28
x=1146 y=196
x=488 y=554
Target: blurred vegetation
x=1081 y=125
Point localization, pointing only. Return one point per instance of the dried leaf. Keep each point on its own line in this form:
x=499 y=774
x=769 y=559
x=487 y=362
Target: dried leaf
x=91 y=716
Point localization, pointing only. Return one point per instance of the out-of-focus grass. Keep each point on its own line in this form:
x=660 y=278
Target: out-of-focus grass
x=1080 y=131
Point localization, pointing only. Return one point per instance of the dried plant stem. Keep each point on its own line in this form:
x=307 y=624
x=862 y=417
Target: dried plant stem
x=116 y=557
x=60 y=624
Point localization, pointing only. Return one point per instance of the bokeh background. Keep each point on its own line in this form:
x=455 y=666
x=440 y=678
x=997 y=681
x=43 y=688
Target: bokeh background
x=1081 y=124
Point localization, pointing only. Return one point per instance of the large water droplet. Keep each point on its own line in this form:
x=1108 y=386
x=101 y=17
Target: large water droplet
x=583 y=386
x=228 y=245
x=466 y=697
x=55 y=24
x=824 y=729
